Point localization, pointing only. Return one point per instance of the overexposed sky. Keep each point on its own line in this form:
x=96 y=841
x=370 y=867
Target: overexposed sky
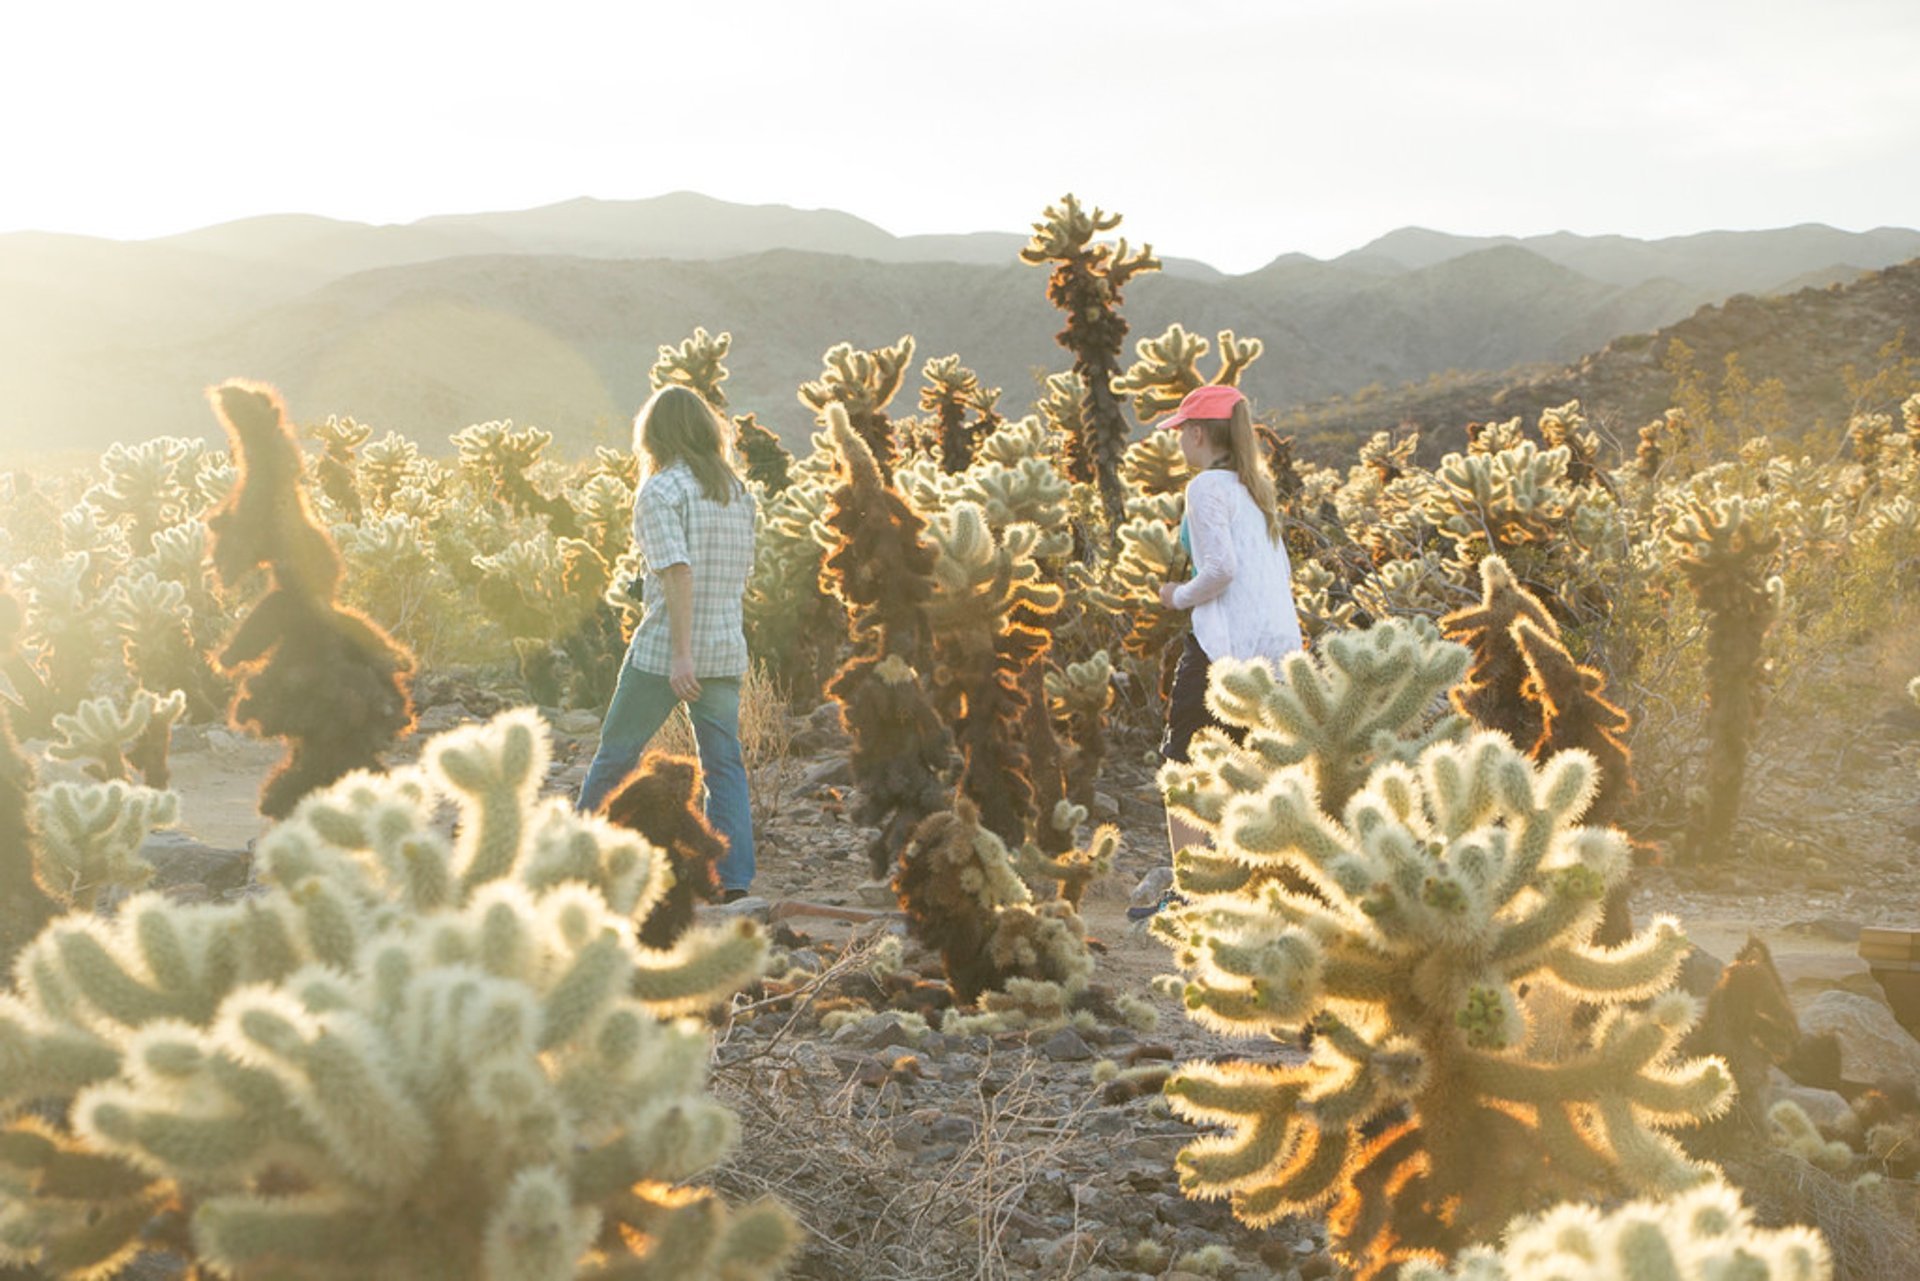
x=1226 y=130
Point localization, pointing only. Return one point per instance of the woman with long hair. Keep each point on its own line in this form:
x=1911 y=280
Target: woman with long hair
x=693 y=522
x=1241 y=592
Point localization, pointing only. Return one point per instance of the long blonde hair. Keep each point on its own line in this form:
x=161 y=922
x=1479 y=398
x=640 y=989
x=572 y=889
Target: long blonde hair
x=1234 y=437
x=677 y=425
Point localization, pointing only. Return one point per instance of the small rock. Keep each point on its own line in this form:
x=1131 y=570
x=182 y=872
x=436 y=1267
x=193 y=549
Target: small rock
x=1828 y=927
x=1067 y=1046
x=438 y=720
x=579 y=723
x=835 y=772
x=179 y=860
x=752 y=905
x=1105 y=808
x=877 y=894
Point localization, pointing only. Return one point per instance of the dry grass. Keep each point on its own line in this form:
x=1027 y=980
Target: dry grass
x=824 y=1145
x=1872 y=1234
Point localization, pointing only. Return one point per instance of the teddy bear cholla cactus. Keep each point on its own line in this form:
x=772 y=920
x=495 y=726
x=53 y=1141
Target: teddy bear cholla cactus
x=1402 y=919
x=1702 y=1234
x=413 y=1056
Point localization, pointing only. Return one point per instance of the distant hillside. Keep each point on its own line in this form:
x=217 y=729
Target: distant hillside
x=552 y=316
x=1805 y=339
x=1722 y=262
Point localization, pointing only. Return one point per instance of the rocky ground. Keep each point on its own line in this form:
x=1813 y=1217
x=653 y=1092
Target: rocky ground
x=906 y=1153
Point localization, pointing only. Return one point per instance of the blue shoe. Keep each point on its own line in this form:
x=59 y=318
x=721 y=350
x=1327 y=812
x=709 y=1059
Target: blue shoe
x=1166 y=900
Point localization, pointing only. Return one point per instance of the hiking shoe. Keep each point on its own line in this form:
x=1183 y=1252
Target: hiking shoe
x=1166 y=900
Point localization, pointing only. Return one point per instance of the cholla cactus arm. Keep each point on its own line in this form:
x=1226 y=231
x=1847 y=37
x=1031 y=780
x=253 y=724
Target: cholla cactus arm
x=502 y=458
x=495 y=771
x=97 y=732
x=65 y=635
x=1080 y=696
x=90 y=838
x=864 y=382
x=1703 y=1234
x=1168 y=368
x=767 y=461
x=144 y=490
x=1154 y=465
x=698 y=363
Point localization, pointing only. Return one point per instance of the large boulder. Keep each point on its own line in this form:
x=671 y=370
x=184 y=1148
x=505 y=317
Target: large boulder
x=1874 y=1048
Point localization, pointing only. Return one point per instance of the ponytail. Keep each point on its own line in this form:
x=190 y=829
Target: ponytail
x=1234 y=435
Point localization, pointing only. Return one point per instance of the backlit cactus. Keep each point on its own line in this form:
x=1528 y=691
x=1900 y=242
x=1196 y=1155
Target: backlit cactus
x=880 y=566
x=1023 y=961
x=324 y=678
x=24 y=907
x=699 y=364
x=1434 y=943
x=1726 y=554
x=863 y=382
x=1702 y=1234
x=1087 y=280
x=1168 y=367
x=110 y=740
x=413 y=1056
x=989 y=609
x=90 y=837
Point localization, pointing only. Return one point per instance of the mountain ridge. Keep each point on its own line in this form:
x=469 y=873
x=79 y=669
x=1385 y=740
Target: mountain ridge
x=428 y=326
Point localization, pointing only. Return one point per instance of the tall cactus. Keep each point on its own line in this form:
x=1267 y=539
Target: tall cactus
x=989 y=610
x=324 y=678
x=880 y=567
x=1727 y=556
x=1086 y=283
x=414 y=1056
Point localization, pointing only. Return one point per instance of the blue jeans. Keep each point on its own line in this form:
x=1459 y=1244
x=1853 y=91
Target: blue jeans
x=642 y=701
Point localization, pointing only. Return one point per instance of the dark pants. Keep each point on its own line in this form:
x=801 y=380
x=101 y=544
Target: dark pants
x=1187 y=704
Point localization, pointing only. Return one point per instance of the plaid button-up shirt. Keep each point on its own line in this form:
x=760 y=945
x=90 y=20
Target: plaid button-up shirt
x=675 y=523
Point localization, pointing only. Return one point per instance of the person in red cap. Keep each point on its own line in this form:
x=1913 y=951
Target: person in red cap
x=1240 y=596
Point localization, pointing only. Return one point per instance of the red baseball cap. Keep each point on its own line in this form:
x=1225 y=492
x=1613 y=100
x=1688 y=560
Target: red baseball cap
x=1212 y=401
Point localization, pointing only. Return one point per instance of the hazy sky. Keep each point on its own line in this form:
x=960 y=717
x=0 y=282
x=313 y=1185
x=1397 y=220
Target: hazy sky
x=1226 y=130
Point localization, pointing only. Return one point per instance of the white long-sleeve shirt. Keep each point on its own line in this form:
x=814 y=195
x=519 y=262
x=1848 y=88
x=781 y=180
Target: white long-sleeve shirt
x=1241 y=592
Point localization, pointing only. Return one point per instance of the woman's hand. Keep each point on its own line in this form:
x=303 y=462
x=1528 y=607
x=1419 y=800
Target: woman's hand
x=1166 y=595
x=681 y=680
